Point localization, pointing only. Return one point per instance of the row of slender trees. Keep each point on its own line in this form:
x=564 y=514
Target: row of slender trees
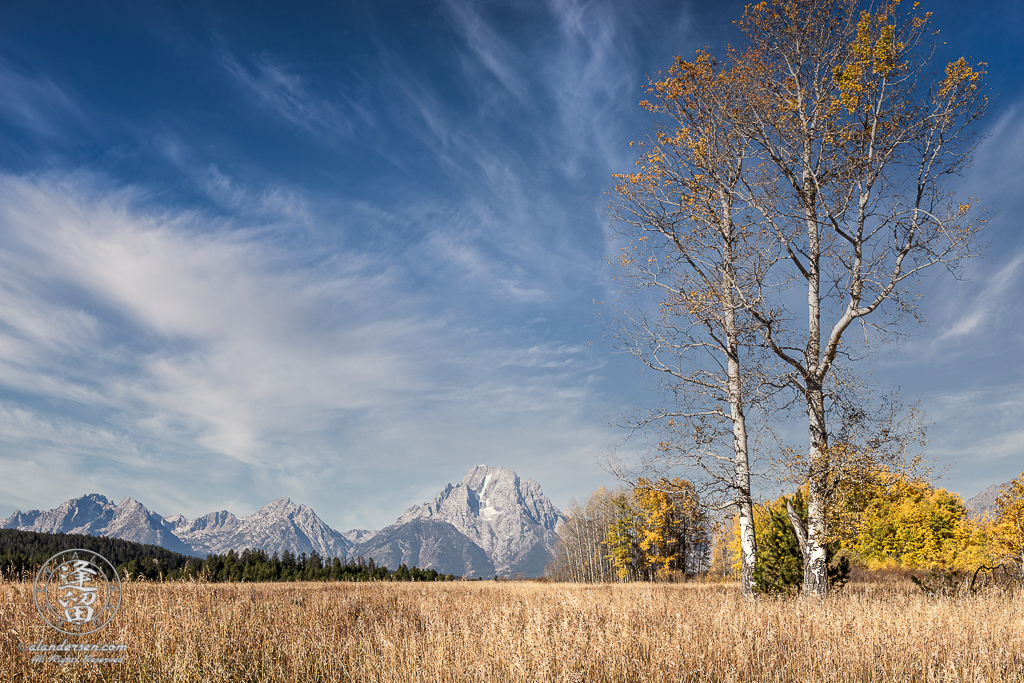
x=796 y=189
x=655 y=530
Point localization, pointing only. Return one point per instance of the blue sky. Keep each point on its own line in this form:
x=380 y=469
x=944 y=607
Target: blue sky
x=345 y=251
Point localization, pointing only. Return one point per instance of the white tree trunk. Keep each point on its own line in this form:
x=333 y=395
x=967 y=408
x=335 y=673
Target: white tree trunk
x=816 y=557
x=748 y=548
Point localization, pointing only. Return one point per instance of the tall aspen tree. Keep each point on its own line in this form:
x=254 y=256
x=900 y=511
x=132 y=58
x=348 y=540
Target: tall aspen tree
x=696 y=253
x=858 y=140
x=815 y=156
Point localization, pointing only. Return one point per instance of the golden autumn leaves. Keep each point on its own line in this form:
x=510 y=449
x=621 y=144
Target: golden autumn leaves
x=656 y=525
x=891 y=521
x=876 y=62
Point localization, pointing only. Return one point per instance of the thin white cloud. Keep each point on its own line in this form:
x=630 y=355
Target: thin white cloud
x=496 y=274
x=594 y=79
x=983 y=307
x=977 y=433
x=596 y=76
x=547 y=356
x=273 y=201
x=267 y=201
x=37 y=104
x=287 y=93
x=998 y=162
x=496 y=55
x=973 y=312
x=22 y=425
x=431 y=113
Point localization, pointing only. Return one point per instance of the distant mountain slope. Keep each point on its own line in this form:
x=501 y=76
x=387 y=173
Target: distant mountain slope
x=985 y=502
x=428 y=544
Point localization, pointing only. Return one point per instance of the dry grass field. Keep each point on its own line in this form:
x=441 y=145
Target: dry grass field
x=487 y=631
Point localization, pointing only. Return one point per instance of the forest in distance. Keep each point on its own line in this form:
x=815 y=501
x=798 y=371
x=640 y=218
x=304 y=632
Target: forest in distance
x=22 y=553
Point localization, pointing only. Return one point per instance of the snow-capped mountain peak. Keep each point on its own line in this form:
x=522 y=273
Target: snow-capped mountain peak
x=277 y=526
x=175 y=520
x=504 y=515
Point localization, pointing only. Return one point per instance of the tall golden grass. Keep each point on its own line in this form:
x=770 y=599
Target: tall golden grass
x=505 y=631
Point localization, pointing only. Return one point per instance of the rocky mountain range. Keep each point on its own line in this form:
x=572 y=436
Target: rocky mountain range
x=491 y=523
x=275 y=527
x=94 y=515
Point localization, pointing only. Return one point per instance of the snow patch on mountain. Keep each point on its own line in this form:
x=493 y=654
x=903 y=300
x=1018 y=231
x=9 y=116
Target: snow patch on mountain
x=359 y=535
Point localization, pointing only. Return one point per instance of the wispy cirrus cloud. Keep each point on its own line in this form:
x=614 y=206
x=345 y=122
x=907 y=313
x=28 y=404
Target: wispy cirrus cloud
x=287 y=93
x=594 y=79
x=269 y=200
x=506 y=161
x=979 y=312
x=37 y=104
x=985 y=302
x=495 y=54
x=998 y=161
x=981 y=440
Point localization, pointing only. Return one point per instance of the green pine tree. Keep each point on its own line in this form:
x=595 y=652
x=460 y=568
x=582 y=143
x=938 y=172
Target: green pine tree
x=780 y=565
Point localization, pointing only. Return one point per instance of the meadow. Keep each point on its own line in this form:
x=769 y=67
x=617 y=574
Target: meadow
x=527 y=631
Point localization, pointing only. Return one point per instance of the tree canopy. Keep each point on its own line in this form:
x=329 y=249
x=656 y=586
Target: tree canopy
x=815 y=156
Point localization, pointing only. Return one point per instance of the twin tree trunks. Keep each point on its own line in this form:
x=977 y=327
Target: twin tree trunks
x=813 y=157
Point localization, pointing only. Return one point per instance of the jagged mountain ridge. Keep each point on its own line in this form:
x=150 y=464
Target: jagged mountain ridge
x=94 y=515
x=492 y=522
x=276 y=527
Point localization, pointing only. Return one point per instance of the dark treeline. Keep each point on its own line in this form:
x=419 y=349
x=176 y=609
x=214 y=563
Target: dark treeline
x=26 y=551
x=23 y=552
x=257 y=565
